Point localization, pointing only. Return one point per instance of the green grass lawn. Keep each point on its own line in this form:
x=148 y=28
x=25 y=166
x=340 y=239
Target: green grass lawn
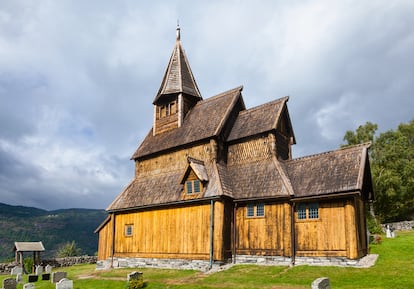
x=394 y=269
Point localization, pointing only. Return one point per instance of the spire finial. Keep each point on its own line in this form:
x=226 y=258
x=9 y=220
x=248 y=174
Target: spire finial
x=178 y=30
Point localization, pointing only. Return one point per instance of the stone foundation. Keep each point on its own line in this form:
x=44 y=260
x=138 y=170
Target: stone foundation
x=199 y=265
x=204 y=266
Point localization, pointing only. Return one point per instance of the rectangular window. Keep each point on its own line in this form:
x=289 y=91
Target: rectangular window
x=189 y=187
x=260 y=210
x=196 y=186
x=250 y=210
x=128 y=230
x=255 y=210
x=313 y=211
x=301 y=211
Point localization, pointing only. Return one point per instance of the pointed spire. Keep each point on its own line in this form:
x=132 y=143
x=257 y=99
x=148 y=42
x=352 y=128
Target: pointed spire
x=178 y=77
x=178 y=31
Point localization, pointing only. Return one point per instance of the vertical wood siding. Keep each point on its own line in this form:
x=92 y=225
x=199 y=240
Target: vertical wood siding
x=332 y=234
x=105 y=241
x=175 y=232
x=268 y=235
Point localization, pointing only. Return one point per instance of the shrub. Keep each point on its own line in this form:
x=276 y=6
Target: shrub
x=68 y=249
x=28 y=264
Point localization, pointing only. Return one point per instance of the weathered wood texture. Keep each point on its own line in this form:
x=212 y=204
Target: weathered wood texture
x=174 y=161
x=182 y=232
x=268 y=235
x=105 y=241
x=253 y=150
x=334 y=233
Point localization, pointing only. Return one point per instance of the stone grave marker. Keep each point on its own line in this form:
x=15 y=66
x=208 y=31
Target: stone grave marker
x=57 y=276
x=46 y=276
x=16 y=270
x=19 y=278
x=135 y=280
x=32 y=278
x=64 y=284
x=39 y=270
x=48 y=269
x=321 y=283
x=29 y=286
x=9 y=283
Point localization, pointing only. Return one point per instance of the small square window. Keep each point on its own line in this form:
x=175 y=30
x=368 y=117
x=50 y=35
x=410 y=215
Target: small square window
x=313 y=211
x=260 y=210
x=128 y=230
x=250 y=210
x=301 y=211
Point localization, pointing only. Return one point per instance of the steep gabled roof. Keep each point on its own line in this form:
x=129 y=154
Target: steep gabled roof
x=205 y=120
x=178 y=77
x=259 y=119
x=331 y=172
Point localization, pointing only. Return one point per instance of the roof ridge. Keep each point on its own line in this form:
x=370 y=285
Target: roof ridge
x=351 y=147
x=238 y=88
x=264 y=105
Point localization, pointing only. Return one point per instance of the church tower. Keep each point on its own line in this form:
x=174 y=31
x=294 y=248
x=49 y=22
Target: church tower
x=178 y=92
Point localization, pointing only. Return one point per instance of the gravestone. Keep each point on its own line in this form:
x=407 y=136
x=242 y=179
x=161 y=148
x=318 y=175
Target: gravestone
x=9 y=283
x=16 y=270
x=135 y=280
x=64 y=284
x=321 y=283
x=19 y=278
x=29 y=286
x=388 y=231
x=39 y=270
x=46 y=276
x=57 y=276
x=48 y=268
x=32 y=278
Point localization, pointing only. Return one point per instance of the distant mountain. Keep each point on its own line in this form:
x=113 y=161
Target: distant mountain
x=53 y=228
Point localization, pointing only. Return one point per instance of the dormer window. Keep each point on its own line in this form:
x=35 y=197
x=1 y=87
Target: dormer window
x=193 y=187
x=194 y=179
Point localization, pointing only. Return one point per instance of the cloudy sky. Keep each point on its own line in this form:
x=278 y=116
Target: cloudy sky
x=77 y=79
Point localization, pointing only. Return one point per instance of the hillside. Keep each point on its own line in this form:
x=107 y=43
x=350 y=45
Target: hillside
x=53 y=228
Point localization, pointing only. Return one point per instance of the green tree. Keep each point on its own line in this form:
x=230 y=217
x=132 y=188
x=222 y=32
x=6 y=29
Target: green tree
x=68 y=249
x=392 y=167
x=364 y=133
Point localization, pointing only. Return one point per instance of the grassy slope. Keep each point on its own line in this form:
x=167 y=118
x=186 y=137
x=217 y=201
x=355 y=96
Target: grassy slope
x=393 y=270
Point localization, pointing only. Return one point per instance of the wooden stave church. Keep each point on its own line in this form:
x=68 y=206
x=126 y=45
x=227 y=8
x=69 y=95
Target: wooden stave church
x=214 y=180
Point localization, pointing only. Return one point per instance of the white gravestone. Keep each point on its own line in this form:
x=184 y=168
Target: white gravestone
x=19 y=278
x=388 y=231
x=64 y=284
x=48 y=269
x=39 y=270
x=29 y=286
x=16 y=270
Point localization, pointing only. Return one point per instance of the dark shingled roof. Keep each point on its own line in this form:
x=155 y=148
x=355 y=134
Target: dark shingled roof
x=205 y=120
x=154 y=190
x=257 y=120
x=149 y=190
x=328 y=173
x=178 y=76
x=257 y=179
